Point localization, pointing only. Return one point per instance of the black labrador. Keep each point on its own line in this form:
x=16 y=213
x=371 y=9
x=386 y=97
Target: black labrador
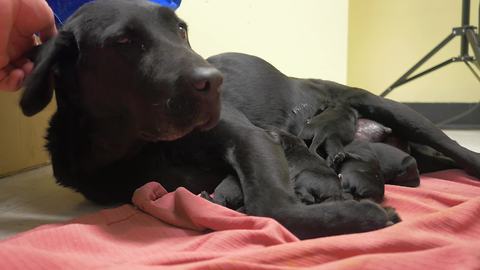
x=136 y=104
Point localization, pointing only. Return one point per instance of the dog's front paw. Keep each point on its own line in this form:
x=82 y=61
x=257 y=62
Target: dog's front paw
x=392 y=215
x=378 y=215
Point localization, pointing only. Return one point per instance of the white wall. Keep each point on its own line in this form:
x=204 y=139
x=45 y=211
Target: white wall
x=306 y=38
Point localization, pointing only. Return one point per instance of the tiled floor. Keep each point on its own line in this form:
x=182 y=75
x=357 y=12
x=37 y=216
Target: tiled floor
x=32 y=198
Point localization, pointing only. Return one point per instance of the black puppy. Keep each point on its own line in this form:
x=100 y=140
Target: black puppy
x=368 y=166
x=398 y=167
x=136 y=104
x=313 y=180
x=331 y=130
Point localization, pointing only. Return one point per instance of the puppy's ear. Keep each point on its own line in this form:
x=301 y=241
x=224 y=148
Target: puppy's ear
x=38 y=90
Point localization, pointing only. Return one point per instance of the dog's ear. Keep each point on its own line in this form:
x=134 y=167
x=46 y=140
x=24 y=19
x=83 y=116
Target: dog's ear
x=38 y=90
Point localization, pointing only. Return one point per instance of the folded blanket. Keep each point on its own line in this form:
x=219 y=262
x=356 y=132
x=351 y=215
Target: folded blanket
x=179 y=230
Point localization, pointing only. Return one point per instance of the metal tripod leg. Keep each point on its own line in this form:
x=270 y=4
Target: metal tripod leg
x=474 y=41
x=404 y=78
x=473 y=71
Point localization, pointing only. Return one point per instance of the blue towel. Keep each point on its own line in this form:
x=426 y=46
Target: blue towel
x=63 y=9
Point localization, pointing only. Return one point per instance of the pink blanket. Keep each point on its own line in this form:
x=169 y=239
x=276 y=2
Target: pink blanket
x=179 y=230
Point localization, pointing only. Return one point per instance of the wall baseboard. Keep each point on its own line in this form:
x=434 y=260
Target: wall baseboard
x=439 y=112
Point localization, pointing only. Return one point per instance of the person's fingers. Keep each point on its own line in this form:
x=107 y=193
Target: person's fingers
x=50 y=29
x=25 y=65
x=13 y=81
x=36 y=17
x=48 y=32
x=18 y=63
x=27 y=68
x=5 y=71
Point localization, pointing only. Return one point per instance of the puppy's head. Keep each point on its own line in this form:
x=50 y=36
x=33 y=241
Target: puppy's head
x=127 y=66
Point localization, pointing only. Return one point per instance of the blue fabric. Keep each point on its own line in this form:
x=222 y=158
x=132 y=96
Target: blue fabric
x=63 y=9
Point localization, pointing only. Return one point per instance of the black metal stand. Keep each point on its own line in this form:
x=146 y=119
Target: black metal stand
x=468 y=37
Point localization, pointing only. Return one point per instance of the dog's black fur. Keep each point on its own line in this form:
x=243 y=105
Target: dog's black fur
x=363 y=172
x=367 y=166
x=398 y=167
x=136 y=104
x=330 y=131
x=312 y=179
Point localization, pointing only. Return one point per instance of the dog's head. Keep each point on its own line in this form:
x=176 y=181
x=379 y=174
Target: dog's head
x=128 y=67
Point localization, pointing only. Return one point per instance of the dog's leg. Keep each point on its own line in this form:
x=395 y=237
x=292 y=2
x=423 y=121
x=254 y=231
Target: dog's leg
x=413 y=126
x=430 y=160
x=260 y=164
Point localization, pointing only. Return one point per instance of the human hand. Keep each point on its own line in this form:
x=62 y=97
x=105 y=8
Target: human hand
x=19 y=21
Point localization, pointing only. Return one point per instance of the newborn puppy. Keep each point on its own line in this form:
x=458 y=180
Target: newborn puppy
x=398 y=167
x=360 y=173
x=228 y=193
x=331 y=130
x=368 y=166
x=312 y=179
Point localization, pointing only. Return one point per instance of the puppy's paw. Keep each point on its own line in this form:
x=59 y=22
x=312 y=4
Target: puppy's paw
x=206 y=196
x=336 y=160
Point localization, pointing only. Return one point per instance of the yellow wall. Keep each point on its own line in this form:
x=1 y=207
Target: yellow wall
x=386 y=37
x=21 y=138
x=309 y=40
x=306 y=38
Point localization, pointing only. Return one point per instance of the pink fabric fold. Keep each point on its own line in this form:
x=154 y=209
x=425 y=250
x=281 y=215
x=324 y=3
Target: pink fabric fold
x=180 y=230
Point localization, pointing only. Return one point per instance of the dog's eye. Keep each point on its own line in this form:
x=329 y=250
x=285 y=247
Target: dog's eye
x=123 y=40
x=182 y=28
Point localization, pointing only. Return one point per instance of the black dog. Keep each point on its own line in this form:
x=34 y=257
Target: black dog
x=136 y=104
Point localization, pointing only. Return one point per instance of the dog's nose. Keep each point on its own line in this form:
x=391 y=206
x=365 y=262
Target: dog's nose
x=206 y=79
